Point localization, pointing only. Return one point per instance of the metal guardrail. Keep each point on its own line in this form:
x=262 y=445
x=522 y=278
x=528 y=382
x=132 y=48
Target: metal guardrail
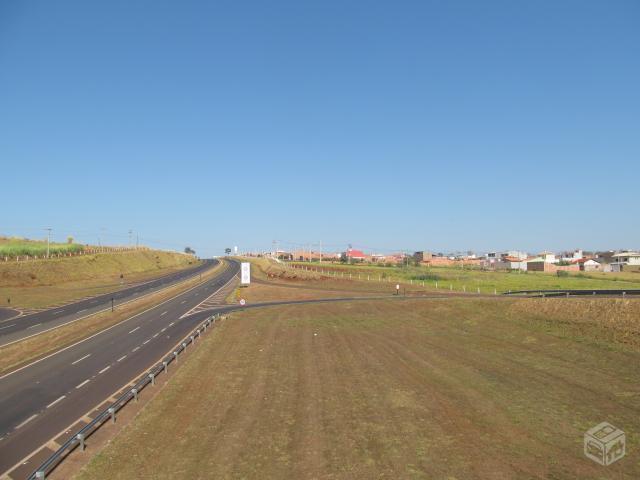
x=78 y=438
x=568 y=292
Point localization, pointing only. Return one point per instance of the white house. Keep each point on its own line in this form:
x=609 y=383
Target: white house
x=570 y=256
x=548 y=257
x=589 y=265
x=624 y=259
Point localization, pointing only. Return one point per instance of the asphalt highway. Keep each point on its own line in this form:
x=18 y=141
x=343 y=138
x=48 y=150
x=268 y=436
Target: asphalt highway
x=43 y=398
x=14 y=329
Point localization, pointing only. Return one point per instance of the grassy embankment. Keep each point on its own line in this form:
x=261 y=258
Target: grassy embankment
x=61 y=280
x=25 y=351
x=448 y=388
x=487 y=281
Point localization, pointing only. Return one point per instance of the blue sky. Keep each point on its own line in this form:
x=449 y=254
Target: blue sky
x=442 y=125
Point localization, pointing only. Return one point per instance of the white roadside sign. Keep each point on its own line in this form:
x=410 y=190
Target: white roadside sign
x=245 y=273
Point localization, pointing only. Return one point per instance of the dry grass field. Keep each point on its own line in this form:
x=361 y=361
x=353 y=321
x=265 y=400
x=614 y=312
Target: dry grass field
x=398 y=388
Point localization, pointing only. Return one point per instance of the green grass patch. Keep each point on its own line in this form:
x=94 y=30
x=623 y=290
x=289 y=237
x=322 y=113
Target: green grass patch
x=13 y=247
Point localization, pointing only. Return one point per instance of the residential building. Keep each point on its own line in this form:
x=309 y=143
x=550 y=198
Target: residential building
x=625 y=261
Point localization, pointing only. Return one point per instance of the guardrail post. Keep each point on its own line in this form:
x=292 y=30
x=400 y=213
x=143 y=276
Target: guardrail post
x=624 y=294
x=184 y=346
x=567 y=294
x=153 y=378
x=495 y=291
x=40 y=475
x=112 y=412
x=165 y=365
x=175 y=354
x=193 y=340
x=135 y=393
x=80 y=438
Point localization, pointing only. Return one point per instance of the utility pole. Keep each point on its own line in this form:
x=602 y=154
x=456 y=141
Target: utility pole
x=320 y=251
x=130 y=233
x=48 y=229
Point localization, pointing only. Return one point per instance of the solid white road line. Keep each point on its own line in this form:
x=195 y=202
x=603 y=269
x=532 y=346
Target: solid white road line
x=137 y=328
x=56 y=401
x=83 y=383
x=80 y=359
x=122 y=358
x=27 y=421
x=104 y=369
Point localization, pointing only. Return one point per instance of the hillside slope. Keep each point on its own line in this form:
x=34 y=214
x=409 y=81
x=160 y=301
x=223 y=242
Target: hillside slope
x=42 y=283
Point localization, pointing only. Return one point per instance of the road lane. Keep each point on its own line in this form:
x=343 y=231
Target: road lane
x=80 y=374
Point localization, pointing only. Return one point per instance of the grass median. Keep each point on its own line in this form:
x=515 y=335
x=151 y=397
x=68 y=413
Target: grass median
x=17 y=354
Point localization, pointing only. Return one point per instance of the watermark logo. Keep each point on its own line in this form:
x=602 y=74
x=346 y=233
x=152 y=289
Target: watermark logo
x=604 y=444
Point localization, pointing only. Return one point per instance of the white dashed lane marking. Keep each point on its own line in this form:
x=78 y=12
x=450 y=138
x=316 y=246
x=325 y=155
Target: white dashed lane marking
x=27 y=421
x=56 y=401
x=104 y=369
x=80 y=359
x=134 y=329
x=122 y=358
x=83 y=383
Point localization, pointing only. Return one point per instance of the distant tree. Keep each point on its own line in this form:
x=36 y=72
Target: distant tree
x=189 y=250
x=227 y=251
x=69 y=239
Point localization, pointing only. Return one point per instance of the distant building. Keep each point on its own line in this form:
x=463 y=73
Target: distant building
x=588 y=265
x=353 y=255
x=624 y=261
x=571 y=256
x=422 y=256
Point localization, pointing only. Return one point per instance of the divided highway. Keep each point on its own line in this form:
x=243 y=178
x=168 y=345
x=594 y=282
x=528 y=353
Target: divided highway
x=43 y=398
x=14 y=329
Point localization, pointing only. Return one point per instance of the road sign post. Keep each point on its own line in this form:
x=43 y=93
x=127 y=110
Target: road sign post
x=245 y=273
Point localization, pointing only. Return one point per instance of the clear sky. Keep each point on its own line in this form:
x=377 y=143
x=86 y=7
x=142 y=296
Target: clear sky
x=441 y=125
